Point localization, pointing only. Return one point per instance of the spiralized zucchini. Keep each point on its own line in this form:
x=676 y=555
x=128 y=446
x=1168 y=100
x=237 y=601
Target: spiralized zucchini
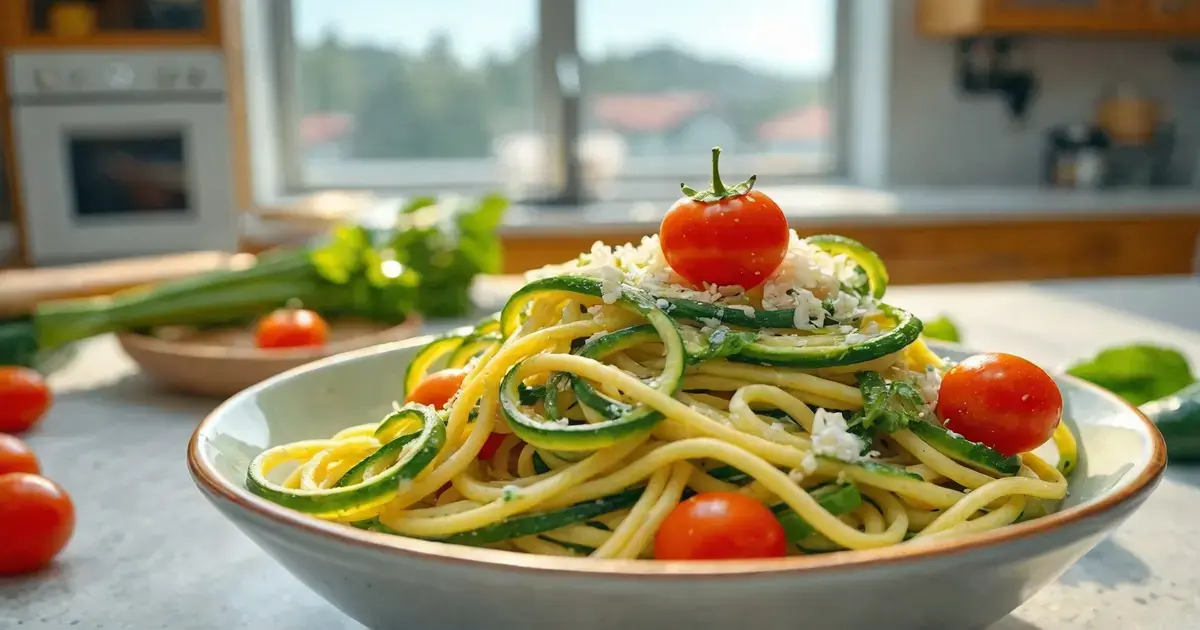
x=617 y=404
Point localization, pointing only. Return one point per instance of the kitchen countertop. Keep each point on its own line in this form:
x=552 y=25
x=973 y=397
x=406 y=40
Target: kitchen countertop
x=149 y=552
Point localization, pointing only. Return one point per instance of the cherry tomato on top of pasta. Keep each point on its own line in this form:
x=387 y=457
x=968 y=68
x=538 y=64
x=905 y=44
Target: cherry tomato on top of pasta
x=24 y=398
x=16 y=456
x=720 y=526
x=437 y=388
x=291 y=328
x=36 y=521
x=724 y=236
x=1002 y=401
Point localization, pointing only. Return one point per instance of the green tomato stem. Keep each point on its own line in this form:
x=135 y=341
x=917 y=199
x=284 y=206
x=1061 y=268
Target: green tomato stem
x=718 y=187
x=718 y=190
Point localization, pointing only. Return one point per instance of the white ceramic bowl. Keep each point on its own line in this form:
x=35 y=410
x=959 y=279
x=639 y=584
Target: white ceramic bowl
x=394 y=582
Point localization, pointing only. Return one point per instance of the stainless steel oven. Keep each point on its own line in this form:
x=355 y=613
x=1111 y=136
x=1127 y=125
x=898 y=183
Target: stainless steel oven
x=122 y=154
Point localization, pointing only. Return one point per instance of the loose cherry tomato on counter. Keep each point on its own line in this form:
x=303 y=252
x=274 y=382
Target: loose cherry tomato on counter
x=291 y=328
x=724 y=236
x=720 y=526
x=36 y=521
x=438 y=388
x=24 y=398
x=1002 y=401
x=16 y=456
x=491 y=446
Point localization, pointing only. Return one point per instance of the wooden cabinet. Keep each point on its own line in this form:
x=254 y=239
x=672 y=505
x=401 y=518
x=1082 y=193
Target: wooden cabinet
x=1173 y=16
x=1124 y=18
x=59 y=24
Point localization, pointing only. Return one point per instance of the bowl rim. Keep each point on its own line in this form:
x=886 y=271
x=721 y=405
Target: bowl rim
x=212 y=484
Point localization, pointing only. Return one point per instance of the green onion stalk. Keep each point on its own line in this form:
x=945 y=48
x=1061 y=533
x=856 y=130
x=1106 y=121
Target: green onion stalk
x=424 y=265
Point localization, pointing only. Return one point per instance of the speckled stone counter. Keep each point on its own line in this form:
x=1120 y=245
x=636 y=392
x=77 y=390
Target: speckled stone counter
x=149 y=552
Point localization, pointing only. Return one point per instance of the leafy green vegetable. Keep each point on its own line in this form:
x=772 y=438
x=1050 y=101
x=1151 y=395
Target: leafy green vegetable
x=943 y=329
x=446 y=245
x=1138 y=373
x=887 y=407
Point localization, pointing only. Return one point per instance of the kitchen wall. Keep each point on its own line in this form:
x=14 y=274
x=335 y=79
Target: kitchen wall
x=938 y=137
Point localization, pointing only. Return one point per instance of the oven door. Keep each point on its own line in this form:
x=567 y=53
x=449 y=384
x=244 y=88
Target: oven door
x=108 y=180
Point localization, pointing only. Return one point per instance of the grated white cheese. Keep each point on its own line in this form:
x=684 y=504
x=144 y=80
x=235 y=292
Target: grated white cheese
x=662 y=304
x=809 y=463
x=510 y=493
x=930 y=383
x=841 y=478
x=807 y=275
x=845 y=306
x=831 y=438
x=796 y=475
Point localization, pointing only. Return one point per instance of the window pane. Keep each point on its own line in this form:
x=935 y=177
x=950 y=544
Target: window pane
x=415 y=92
x=681 y=76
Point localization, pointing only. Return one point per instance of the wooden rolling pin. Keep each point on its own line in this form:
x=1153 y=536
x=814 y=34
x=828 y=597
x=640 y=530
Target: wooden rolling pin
x=22 y=289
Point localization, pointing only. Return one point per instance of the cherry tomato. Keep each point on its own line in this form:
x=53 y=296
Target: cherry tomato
x=36 y=521
x=724 y=236
x=720 y=526
x=438 y=388
x=1002 y=401
x=16 y=456
x=491 y=446
x=291 y=328
x=24 y=397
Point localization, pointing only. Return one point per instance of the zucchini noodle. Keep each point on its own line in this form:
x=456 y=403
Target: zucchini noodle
x=615 y=393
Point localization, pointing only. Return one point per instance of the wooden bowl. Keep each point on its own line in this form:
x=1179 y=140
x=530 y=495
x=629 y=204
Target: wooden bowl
x=223 y=362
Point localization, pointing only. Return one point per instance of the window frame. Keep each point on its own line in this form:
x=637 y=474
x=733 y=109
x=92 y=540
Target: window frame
x=559 y=114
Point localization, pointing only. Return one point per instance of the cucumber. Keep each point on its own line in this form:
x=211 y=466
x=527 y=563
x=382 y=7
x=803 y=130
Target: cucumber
x=331 y=502
x=837 y=499
x=426 y=357
x=862 y=256
x=635 y=421
x=907 y=329
x=965 y=451
x=1178 y=419
x=531 y=524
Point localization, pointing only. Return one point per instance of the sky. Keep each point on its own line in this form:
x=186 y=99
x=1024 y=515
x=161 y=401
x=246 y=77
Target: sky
x=783 y=36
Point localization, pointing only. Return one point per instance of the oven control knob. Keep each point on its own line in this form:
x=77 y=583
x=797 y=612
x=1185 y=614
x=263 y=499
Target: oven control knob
x=45 y=80
x=196 y=77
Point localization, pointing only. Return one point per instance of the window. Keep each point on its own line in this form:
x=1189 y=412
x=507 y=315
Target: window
x=532 y=95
